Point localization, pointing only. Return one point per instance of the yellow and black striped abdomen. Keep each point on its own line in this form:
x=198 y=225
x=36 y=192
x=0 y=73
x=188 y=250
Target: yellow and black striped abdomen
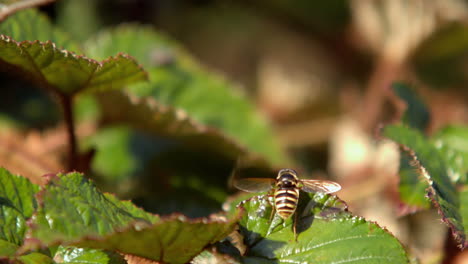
x=286 y=201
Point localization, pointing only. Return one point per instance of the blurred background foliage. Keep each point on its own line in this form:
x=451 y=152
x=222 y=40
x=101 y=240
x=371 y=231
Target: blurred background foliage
x=300 y=83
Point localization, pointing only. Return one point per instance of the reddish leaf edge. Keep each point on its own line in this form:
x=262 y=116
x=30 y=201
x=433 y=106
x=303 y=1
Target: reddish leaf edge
x=43 y=83
x=32 y=243
x=459 y=236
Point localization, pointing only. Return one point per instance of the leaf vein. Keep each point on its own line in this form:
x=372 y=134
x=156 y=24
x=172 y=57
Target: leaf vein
x=362 y=258
x=342 y=239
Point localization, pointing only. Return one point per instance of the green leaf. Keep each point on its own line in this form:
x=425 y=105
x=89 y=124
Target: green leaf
x=412 y=189
x=178 y=82
x=464 y=208
x=30 y=25
x=72 y=255
x=113 y=158
x=80 y=24
x=134 y=164
x=73 y=212
x=148 y=115
x=17 y=204
x=434 y=171
x=328 y=233
x=64 y=72
x=164 y=240
x=416 y=114
x=213 y=257
x=7 y=249
x=452 y=142
x=35 y=258
x=30 y=258
x=71 y=207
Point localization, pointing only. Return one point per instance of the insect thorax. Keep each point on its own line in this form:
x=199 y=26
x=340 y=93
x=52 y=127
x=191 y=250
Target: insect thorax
x=287 y=180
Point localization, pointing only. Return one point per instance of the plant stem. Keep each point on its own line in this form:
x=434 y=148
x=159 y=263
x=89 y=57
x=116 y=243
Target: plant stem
x=385 y=72
x=67 y=104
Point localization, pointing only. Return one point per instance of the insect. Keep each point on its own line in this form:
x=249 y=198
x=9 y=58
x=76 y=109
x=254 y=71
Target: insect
x=287 y=186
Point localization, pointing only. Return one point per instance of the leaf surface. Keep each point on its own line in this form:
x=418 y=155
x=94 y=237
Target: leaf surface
x=28 y=46
x=416 y=114
x=7 y=249
x=35 y=258
x=172 y=240
x=72 y=255
x=32 y=25
x=149 y=115
x=411 y=187
x=328 y=233
x=434 y=170
x=452 y=142
x=64 y=72
x=17 y=204
x=73 y=212
x=464 y=206
x=178 y=82
x=71 y=207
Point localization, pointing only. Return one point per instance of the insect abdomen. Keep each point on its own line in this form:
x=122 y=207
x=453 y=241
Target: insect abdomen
x=286 y=201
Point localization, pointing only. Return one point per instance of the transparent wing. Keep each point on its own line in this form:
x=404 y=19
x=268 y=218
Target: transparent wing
x=320 y=186
x=254 y=184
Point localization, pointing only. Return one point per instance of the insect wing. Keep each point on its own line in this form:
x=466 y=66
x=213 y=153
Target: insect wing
x=320 y=186
x=254 y=184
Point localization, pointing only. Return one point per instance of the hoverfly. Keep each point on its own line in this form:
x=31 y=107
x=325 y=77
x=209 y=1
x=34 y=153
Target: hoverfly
x=287 y=186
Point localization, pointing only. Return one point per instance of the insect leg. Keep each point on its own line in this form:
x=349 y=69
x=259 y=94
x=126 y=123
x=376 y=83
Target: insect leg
x=272 y=214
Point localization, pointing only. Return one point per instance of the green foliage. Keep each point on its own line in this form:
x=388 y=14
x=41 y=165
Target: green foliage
x=464 y=206
x=73 y=212
x=71 y=207
x=79 y=17
x=31 y=25
x=17 y=204
x=164 y=240
x=430 y=167
x=112 y=145
x=411 y=187
x=7 y=249
x=35 y=258
x=178 y=82
x=328 y=233
x=416 y=114
x=91 y=256
x=64 y=72
x=452 y=142
x=149 y=115
x=174 y=140
x=434 y=170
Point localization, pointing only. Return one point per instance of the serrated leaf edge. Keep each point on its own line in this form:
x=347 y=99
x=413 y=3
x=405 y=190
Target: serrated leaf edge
x=351 y=217
x=431 y=194
x=138 y=225
x=43 y=82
